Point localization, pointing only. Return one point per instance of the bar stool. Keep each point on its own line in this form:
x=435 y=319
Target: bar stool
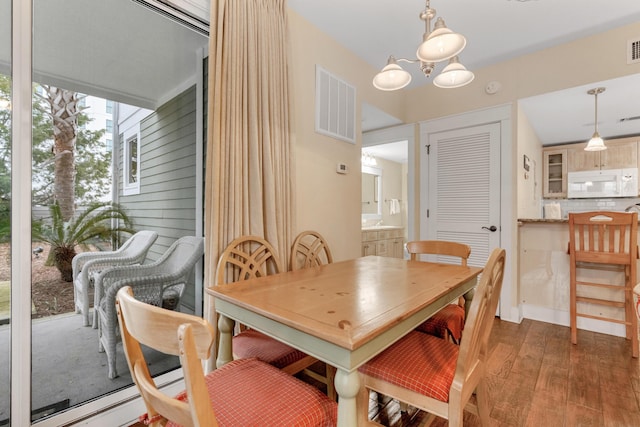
x=604 y=241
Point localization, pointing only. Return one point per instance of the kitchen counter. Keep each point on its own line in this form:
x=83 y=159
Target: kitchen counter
x=542 y=220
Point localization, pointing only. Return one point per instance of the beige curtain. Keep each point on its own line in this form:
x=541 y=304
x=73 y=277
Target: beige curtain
x=248 y=172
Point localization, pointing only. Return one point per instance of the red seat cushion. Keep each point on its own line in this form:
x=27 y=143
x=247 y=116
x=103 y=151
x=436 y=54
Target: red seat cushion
x=448 y=320
x=251 y=343
x=248 y=392
x=419 y=362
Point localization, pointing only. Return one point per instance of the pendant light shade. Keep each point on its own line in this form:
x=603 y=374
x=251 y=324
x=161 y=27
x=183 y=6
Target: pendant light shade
x=438 y=45
x=595 y=143
x=441 y=44
x=454 y=75
x=392 y=77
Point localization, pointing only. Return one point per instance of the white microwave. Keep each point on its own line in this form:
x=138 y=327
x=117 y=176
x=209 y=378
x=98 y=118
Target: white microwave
x=603 y=183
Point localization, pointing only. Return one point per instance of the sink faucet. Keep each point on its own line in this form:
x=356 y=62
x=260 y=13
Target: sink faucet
x=636 y=207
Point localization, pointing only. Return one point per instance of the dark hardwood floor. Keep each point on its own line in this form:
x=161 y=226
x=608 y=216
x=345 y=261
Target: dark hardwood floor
x=537 y=378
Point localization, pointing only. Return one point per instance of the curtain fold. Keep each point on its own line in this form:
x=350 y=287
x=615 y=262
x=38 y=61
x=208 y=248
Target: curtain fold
x=248 y=184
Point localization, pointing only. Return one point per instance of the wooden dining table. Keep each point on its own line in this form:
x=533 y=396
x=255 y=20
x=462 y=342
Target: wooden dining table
x=342 y=313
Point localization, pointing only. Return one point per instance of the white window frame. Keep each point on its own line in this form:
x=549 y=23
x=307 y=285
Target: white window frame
x=128 y=187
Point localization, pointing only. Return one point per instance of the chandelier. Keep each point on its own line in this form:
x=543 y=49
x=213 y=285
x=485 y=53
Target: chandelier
x=437 y=46
x=596 y=143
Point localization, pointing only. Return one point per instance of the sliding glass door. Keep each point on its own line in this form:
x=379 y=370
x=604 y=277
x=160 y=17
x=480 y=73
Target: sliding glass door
x=90 y=72
x=5 y=209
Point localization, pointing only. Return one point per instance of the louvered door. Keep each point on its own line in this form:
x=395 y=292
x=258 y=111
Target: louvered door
x=464 y=188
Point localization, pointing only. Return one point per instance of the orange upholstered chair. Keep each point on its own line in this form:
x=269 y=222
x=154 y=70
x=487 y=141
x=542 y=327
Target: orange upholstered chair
x=433 y=374
x=246 y=258
x=244 y=392
x=448 y=322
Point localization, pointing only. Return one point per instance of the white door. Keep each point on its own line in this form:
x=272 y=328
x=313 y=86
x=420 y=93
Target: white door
x=463 y=183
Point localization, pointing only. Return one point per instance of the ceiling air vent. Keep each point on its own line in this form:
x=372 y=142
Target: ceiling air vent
x=633 y=51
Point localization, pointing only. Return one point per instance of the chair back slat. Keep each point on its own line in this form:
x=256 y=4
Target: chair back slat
x=309 y=249
x=603 y=237
x=439 y=247
x=164 y=330
x=246 y=258
x=473 y=348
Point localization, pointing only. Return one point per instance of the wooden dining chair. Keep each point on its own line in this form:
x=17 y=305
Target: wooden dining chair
x=604 y=241
x=309 y=249
x=448 y=322
x=244 y=392
x=246 y=258
x=433 y=374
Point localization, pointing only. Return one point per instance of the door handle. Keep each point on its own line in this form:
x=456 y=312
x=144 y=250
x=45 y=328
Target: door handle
x=492 y=228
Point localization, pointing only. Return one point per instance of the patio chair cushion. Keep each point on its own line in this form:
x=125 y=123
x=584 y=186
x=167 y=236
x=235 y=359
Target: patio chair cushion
x=447 y=322
x=251 y=343
x=427 y=366
x=276 y=398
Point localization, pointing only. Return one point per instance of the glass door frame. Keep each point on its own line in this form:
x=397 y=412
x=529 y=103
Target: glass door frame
x=111 y=409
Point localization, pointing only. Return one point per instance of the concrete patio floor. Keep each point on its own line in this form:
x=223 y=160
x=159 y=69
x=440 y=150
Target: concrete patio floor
x=67 y=368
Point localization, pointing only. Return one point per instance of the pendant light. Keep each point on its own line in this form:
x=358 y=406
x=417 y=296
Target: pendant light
x=438 y=45
x=596 y=143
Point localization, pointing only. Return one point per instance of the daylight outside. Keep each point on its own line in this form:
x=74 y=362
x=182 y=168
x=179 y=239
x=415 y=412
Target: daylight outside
x=113 y=152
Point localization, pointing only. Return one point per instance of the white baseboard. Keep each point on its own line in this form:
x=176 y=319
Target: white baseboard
x=561 y=317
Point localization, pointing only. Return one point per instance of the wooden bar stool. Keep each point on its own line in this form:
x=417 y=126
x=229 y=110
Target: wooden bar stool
x=604 y=241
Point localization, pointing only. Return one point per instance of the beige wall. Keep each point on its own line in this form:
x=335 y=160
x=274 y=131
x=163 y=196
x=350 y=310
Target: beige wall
x=330 y=203
x=529 y=183
x=325 y=200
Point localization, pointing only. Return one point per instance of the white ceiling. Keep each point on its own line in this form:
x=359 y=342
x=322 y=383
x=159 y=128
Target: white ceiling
x=496 y=30
x=120 y=50
x=114 y=49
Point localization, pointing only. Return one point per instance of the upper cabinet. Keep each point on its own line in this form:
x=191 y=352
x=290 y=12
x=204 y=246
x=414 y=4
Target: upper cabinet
x=555 y=173
x=618 y=155
x=560 y=159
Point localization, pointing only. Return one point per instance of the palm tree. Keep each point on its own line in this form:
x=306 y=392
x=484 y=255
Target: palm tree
x=101 y=221
x=64 y=112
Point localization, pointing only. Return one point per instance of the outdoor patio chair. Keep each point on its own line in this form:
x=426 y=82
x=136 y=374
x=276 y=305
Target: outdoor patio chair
x=244 y=392
x=87 y=264
x=160 y=283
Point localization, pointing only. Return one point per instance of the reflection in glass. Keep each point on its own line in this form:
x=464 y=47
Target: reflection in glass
x=96 y=73
x=5 y=208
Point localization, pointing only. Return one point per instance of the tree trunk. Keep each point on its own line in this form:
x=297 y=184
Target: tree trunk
x=62 y=257
x=64 y=111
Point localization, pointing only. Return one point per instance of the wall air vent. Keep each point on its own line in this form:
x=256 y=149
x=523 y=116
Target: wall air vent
x=633 y=51
x=628 y=119
x=335 y=106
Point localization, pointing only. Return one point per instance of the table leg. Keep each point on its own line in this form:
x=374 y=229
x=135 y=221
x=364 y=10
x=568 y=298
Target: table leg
x=468 y=297
x=225 y=353
x=347 y=385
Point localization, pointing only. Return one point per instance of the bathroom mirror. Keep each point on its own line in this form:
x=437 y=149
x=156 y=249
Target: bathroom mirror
x=371 y=192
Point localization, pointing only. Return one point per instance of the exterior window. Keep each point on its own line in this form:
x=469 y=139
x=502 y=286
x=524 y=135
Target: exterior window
x=108 y=146
x=109 y=126
x=131 y=161
x=109 y=107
